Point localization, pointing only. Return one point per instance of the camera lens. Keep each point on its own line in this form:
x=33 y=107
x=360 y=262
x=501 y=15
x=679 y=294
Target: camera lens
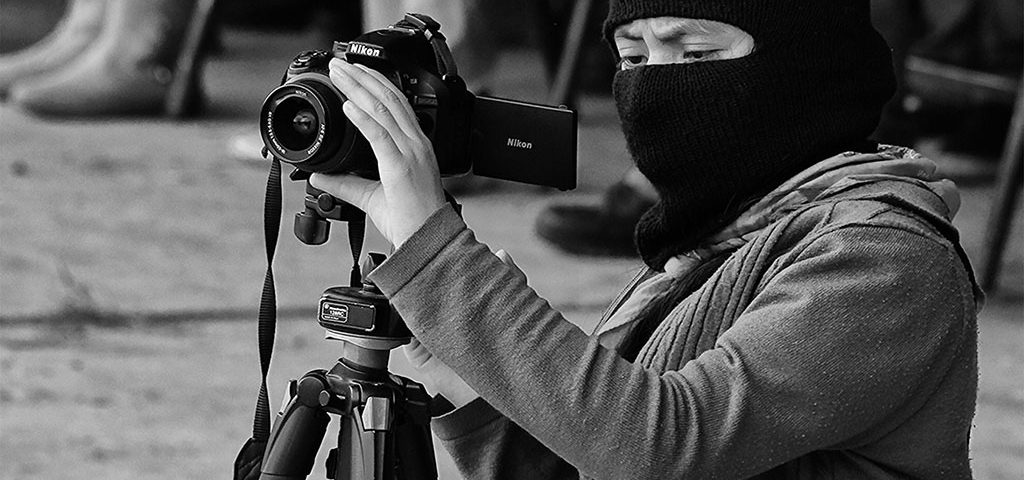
x=295 y=124
x=301 y=123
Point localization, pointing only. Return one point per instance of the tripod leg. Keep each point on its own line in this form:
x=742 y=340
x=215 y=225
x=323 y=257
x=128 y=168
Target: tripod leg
x=415 y=451
x=353 y=454
x=404 y=453
x=294 y=442
x=414 y=447
x=383 y=456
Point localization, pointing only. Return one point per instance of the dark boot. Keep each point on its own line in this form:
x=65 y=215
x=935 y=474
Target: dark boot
x=78 y=29
x=605 y=229
x=128 y=71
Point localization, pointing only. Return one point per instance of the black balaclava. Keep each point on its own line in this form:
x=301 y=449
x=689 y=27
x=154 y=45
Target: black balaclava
x=713 y=135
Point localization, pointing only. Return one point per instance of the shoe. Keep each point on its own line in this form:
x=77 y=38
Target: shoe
x=604 y=230
x=127 y=71
x=78 y=29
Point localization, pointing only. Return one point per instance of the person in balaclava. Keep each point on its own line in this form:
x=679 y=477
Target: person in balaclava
x=805 y=310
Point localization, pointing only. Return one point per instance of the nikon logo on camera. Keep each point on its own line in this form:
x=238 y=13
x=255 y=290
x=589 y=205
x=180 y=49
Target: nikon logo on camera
x=364 y=50
x=517 y=143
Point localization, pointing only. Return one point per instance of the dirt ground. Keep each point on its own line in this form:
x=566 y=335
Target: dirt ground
x=175 y=400
x=131 y=259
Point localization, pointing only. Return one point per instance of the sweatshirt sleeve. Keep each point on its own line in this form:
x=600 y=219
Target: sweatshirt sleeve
x=840 y=342
x=486 y=444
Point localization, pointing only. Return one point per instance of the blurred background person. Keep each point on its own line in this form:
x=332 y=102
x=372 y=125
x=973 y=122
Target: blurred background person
x=105 y=58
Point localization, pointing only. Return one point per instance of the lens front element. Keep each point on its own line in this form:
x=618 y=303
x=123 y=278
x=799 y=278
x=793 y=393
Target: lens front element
x=301 y=123
x=295 y=124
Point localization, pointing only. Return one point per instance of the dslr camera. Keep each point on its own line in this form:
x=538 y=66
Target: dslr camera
x=302 y=123
x=385 y=419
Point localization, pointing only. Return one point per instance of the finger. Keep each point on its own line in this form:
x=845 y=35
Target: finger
x=357 y=191
x=416 y=353
x=392 y=164
x=415 y=345
x=381 y=103
x=507 y=260
x=380 y=78
x=920 y=167
x=401 y=110
x=373 y=103
x=383 y=144
x=949 y=193
x=387 y=84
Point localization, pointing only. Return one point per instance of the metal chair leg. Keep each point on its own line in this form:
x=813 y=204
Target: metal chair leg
x=562 y=86
x=184 y=97
x=1009 y=185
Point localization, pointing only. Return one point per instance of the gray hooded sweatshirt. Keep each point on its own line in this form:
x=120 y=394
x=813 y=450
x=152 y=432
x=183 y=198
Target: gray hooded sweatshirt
x=840 y=342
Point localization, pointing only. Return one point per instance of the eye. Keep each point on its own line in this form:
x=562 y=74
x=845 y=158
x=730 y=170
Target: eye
x=701 y=55
x=632 y=61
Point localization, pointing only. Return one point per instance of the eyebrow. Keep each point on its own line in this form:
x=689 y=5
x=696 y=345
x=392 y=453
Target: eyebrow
x=680 y=28
x=628 y=35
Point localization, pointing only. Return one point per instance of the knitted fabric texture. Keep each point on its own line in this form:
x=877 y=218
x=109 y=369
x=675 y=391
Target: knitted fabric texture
x=713 y=135
x=840 y=343
x=794 y=193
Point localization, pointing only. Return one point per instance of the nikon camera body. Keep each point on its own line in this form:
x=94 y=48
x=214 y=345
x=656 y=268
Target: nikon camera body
x=302 y=122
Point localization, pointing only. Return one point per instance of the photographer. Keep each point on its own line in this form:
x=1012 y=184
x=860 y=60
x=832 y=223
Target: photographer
x=807 y=311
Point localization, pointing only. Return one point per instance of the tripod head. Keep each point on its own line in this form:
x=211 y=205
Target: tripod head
x=359 y=315
x=385 y=419
x=363 y=318
x=362 y=313
x=311 y=224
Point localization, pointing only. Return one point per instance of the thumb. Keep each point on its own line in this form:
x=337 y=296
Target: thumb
x=357 y=191
x=507 y=260
x=950 y=195
x=417 y=354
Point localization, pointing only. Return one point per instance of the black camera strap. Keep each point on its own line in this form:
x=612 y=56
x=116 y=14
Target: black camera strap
x=267 y=327
x=431 y=30
x=249 y=460
x=250 y=457
x=356 y=232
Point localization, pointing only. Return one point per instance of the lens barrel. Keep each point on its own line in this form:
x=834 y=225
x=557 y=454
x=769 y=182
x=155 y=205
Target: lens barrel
x=302 y=123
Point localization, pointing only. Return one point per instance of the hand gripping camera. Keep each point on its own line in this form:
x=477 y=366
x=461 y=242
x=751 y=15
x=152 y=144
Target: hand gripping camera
x=302 y=123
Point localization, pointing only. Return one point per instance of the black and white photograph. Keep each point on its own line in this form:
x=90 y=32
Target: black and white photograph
x=541 y=239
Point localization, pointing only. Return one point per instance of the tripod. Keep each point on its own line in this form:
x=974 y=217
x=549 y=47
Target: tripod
x=385 y=419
